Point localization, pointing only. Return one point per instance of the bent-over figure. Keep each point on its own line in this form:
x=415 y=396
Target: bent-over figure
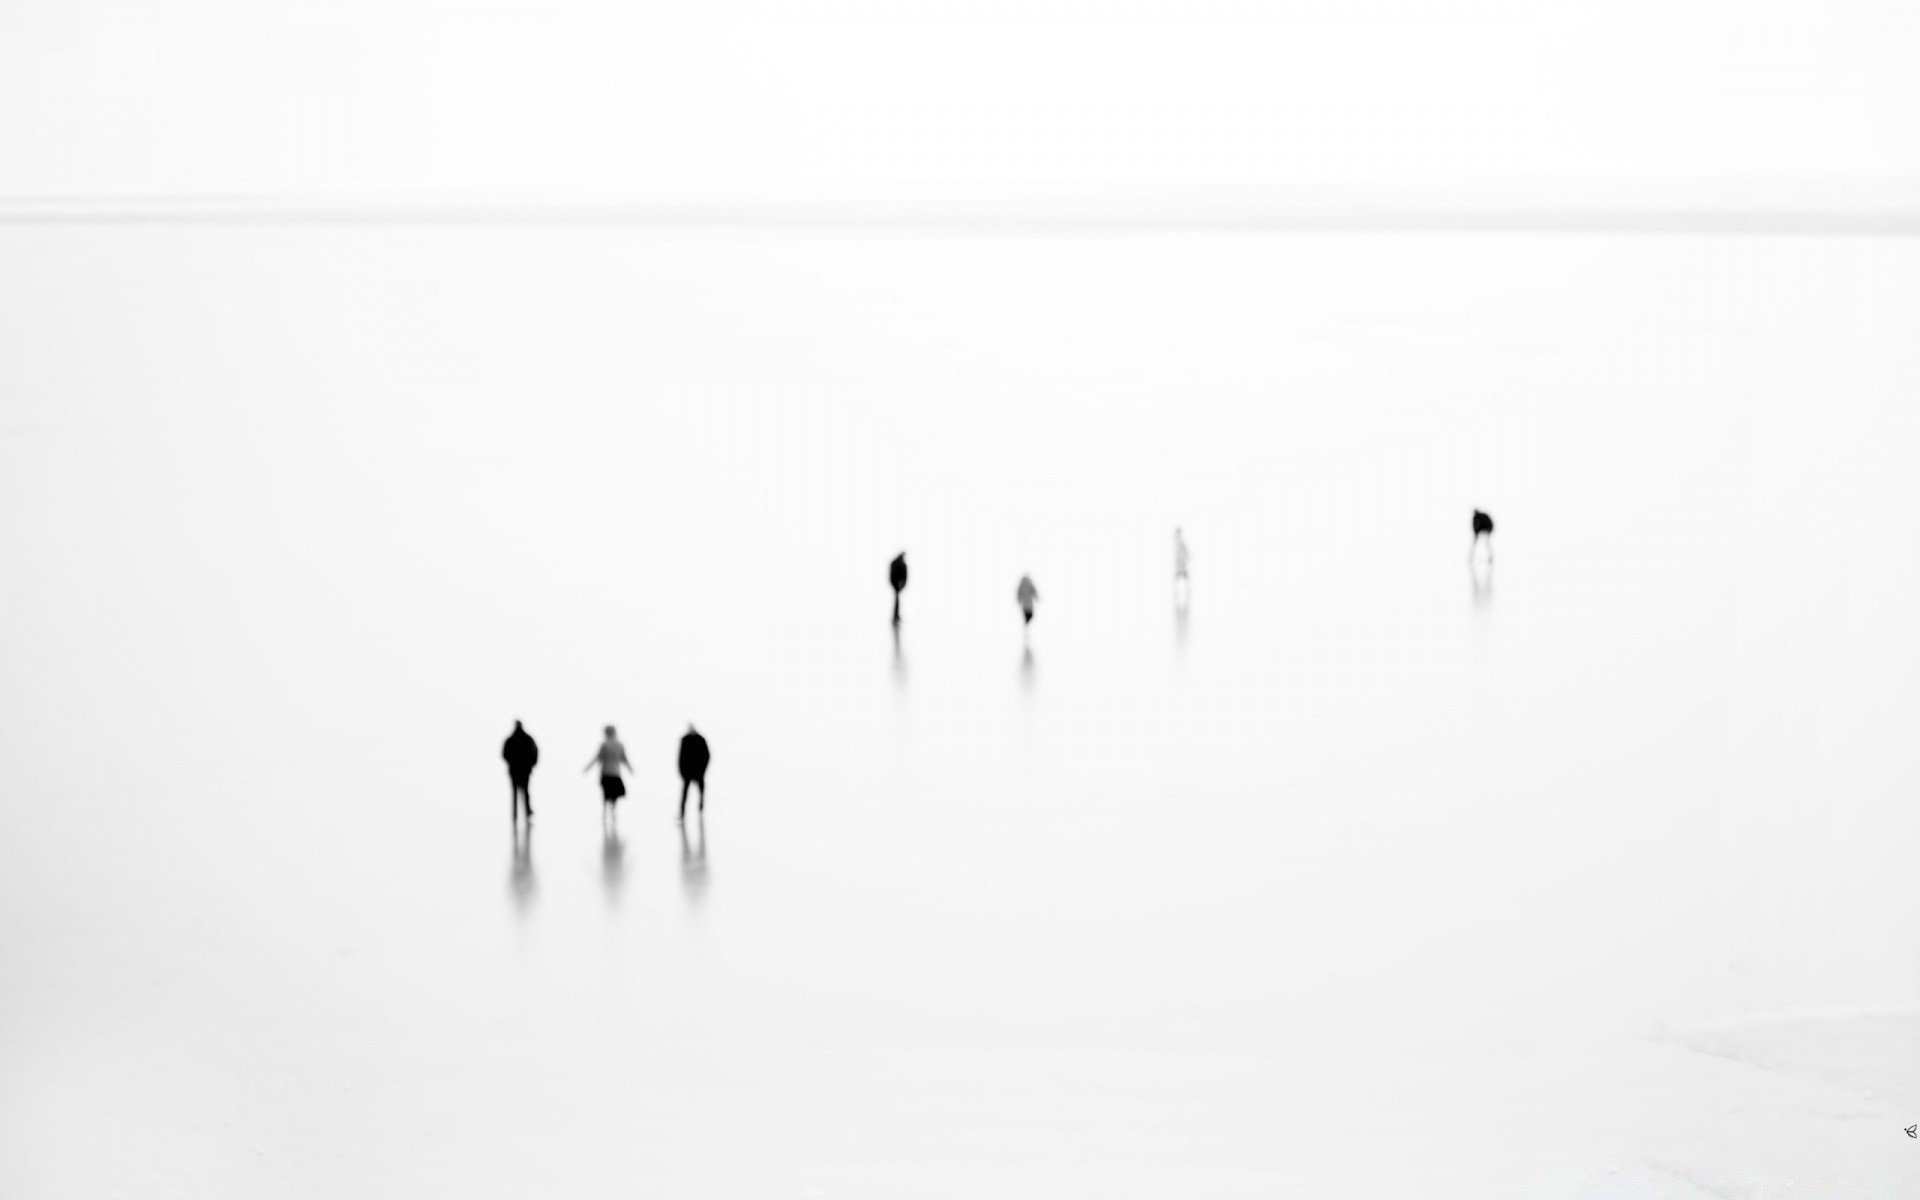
x=1482 y=528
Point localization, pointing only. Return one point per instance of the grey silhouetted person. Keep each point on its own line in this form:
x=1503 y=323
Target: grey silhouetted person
x=1482 y=528
x=1026 y=594
x=1179 y=556
x=897 y=576
x=694 y=758
x=521 y=754
x=611 y=758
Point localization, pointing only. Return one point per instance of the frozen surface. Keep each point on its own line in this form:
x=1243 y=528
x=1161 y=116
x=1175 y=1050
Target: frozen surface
x=1363 y=877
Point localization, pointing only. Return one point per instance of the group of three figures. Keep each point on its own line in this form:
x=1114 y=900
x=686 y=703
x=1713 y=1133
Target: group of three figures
x=1025 y=594
x=521 y=753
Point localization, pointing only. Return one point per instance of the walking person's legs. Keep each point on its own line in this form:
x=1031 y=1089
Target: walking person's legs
x=684 y=785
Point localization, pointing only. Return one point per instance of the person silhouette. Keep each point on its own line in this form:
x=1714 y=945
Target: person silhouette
x=611 y=758
x=1179 y=556
x=694 y=758
x=1482 y=528
x=897 y=576
x=1026 y=594
x=521 y=753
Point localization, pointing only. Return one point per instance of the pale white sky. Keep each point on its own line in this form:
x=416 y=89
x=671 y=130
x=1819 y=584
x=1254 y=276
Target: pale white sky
x=773 y=100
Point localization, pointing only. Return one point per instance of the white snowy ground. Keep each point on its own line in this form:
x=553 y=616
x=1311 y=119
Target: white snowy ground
x=1594 y=879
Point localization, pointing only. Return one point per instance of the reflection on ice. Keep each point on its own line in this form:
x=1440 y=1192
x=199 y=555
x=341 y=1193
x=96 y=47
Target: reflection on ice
x=693 y=859
x=613 y=861
x=520 y=880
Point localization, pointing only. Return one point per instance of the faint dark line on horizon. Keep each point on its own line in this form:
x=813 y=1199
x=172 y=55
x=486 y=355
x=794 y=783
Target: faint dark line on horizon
x=1323 y=218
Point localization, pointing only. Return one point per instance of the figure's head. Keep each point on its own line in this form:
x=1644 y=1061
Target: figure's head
x=516 y=727
x=609 y=731
x=690 y=728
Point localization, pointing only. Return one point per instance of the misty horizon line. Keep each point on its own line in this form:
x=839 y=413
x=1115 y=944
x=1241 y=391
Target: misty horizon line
x=1120 y=214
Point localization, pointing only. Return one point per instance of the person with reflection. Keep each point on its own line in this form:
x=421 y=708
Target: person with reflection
x=521 y=753
x=897 y=576
x=1026 y=594
x=1482 y=528
x=694 y=758
x=611 y=758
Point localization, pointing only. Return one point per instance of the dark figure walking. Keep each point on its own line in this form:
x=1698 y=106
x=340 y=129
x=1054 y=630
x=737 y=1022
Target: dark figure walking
x=1026 y=594
x=693 y=768
x=897 y=576
x=521 y=754
x=611 y=758
x=1482 y=528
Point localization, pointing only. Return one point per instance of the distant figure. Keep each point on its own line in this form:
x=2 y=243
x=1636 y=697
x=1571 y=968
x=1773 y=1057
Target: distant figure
x=897 y=576
x=1026 y=594
x=611 y=758
x=521 y=754
x=1179 y=556
x=1482 y=528
x=693 y=768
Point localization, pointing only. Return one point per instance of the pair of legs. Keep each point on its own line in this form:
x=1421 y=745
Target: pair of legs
x=522 y=798
x=1476 y=546
x=685 y=785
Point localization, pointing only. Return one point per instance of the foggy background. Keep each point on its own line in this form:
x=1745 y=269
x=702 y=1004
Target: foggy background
x=867 y=102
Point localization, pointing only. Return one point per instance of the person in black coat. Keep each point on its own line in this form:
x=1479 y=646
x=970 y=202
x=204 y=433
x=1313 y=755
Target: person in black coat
x=897 y=576
x=521 y=753
x=693 y=768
